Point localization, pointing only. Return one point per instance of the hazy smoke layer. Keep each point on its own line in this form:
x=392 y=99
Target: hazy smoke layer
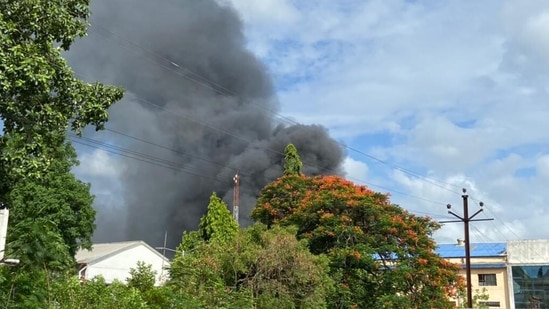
x=193 y=89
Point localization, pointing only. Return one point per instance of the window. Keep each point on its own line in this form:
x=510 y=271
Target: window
x=487 y=280
x=491 y=304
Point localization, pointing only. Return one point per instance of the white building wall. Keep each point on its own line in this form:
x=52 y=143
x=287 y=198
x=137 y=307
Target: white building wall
x=526 y=252
x=118 y=266
x=4 y=215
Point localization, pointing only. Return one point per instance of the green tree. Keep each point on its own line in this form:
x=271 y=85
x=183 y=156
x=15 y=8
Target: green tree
x=40 y=97
x=292 y=162
x=258 y=268
x=142 y=277
x=479 y=298
x=43 y=258
x=58 y=196
x=94 y=294
x=218 y=224
x=381 y=256
x=51 y=217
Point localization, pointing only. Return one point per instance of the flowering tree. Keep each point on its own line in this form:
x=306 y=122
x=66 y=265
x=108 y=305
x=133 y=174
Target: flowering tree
x=381 y=255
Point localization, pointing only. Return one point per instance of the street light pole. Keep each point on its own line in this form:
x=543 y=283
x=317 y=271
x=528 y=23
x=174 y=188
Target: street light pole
x=466 y=219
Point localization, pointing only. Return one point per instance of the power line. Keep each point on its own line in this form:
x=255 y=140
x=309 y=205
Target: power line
x=502 y=222
x=179 y=70
x=248 y=141
x=186 y=117
x=172 y=150
x=138 y=156
x=174 y=166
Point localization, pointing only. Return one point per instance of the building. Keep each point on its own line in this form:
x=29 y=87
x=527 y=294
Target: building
x=488 y=269
x=113 y=261
x=528 y=266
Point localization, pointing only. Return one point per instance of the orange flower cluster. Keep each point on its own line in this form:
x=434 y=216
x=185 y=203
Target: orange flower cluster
x=327 y=215
x=355 y=254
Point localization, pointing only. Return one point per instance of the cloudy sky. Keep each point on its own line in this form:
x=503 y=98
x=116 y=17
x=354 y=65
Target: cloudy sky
x=429 y=96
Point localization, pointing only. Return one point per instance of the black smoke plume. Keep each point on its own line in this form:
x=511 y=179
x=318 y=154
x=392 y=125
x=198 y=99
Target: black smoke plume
x=198 y=108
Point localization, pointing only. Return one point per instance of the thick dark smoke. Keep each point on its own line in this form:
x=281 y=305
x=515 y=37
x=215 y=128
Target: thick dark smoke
x=193 y=87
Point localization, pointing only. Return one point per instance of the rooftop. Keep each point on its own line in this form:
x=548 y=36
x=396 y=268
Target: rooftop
x=104 y=250
x=477 y=250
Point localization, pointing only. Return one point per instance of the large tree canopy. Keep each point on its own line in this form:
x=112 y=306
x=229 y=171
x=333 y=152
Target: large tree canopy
x=39 y=94
x=381 y=255
x=40 y=100
x=51 y=217
x=258 y=268
x=58 y=196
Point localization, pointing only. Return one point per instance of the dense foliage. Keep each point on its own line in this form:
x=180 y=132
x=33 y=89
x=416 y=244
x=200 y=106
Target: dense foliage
x=218 y=223
x=51 y=217
x=381 y=256
x=39 y=94
x=292 y=161
x=258 y=268
x=40 y=100
x=59 y=197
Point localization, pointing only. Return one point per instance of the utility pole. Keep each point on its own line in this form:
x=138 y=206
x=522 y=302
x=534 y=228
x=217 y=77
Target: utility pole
x=236 y=196
x=466 y=219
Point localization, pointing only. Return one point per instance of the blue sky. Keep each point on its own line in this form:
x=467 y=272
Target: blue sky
x=454 y=91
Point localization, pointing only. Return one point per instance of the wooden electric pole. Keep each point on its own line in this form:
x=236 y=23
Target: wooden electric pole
x=466 y=219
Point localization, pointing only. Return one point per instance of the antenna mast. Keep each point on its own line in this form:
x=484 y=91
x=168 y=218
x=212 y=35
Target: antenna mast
x=236 y=196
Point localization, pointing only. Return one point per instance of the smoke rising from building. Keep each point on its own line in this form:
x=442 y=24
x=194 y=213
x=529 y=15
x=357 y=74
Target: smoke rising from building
x=198 y=107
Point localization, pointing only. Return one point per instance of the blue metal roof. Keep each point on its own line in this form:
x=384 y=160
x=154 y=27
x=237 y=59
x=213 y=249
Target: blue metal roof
x=485 y=265
x=477 y=250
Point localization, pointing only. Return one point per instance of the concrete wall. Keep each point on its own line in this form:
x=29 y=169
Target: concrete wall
x=118 y=266
x=497 y=293
x=526 y=252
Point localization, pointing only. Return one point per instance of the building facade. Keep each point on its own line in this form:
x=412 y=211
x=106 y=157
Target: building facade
x=488 y=270
x=528 y=268
x=113 y=261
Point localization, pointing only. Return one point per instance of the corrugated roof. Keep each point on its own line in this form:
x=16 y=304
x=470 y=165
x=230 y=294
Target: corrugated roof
x=104 y=250
x=477 y=250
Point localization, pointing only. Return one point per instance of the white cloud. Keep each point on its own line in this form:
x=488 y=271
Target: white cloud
x=543 y=166
x=459 y=87
x=102 y=170
x=355 y=170
x=98 y=163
